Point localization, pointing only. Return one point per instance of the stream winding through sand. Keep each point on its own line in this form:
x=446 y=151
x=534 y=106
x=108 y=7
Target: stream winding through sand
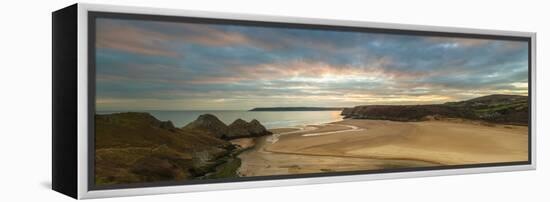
x=260 y=161
x=275 y=137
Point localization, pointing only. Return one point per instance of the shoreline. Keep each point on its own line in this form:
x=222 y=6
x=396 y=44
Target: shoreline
x=180 y=118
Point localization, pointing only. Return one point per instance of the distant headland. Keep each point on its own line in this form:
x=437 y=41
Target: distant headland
x=297 y=109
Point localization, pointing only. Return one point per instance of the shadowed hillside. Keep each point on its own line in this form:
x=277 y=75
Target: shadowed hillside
x=136 y=147
x=506 y=109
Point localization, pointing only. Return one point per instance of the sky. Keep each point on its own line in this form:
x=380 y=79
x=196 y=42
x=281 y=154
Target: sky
x=156 y=65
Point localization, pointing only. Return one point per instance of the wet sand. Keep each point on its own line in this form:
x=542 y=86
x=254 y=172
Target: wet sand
x=244 y=143
x=376 y=144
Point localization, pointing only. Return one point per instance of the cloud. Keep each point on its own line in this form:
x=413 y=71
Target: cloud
x=143 y=64
x=110 y=35
x=202 y=34
x=307 y=70
x=454 y=42
x=140 y=38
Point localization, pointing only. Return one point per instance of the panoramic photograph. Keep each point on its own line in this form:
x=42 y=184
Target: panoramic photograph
x=182 y=101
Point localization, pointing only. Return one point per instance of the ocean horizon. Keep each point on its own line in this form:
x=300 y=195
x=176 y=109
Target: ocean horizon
x=270 y=119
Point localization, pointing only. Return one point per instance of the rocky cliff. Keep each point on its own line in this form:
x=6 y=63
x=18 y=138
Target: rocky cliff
x=209 y=123
x=238 y=129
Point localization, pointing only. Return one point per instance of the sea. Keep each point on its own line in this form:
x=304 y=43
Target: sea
x=270 y=119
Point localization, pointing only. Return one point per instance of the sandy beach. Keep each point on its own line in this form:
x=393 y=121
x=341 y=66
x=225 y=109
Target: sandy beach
x=356 y=144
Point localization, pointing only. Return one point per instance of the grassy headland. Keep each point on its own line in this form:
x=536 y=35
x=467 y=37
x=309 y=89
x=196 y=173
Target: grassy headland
x=502 y=109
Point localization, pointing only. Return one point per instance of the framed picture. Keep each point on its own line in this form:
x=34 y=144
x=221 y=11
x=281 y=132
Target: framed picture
x=149 y=101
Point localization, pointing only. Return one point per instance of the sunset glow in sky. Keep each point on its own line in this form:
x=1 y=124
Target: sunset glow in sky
x=152 y=65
